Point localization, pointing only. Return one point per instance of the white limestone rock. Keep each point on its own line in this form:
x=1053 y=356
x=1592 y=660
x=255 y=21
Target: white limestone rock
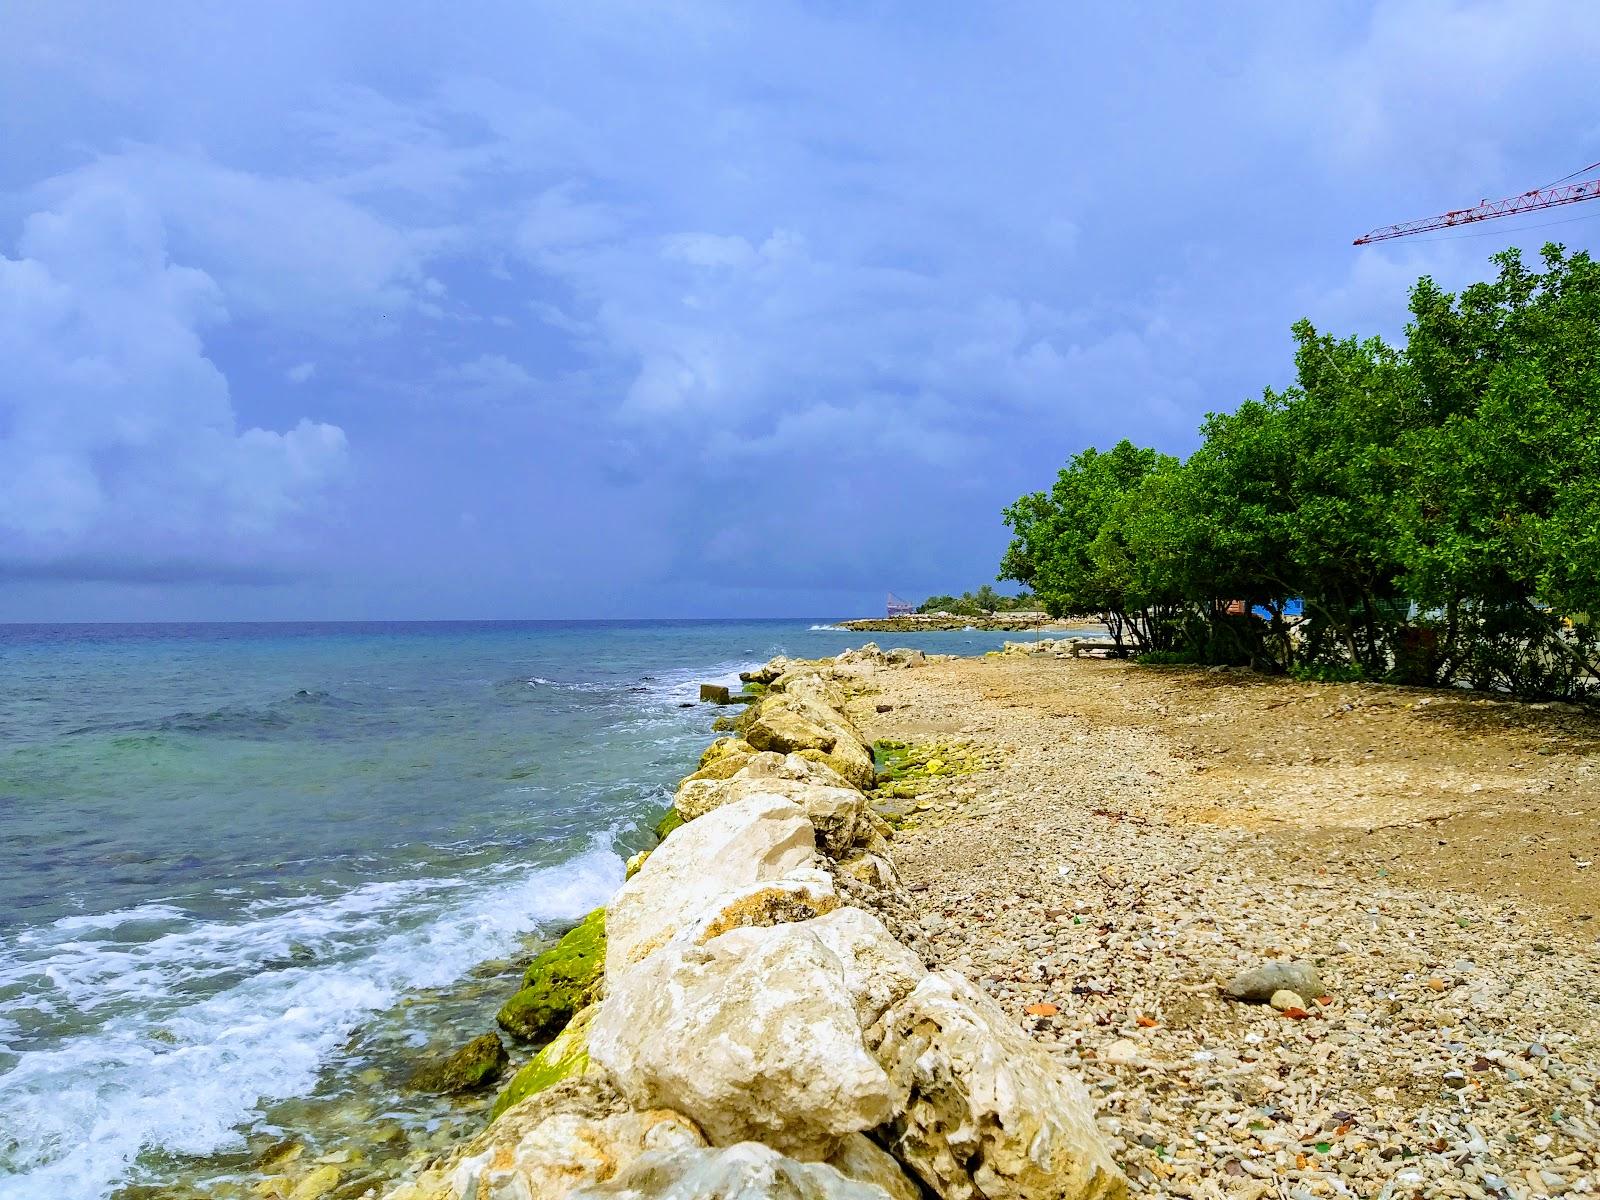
x=878 y=971
x=862 y=1159
x=575 y=1134
x=836 y=809
x=803 y=894
x=989 y=1114
x=747 y=1171
x=754 y=1035
x=750 y=841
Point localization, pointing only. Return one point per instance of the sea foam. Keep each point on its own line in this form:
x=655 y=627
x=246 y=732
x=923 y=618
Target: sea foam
x=163 y=1072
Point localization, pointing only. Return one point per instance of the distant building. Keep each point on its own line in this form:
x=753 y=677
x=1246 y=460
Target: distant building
x=898 y=607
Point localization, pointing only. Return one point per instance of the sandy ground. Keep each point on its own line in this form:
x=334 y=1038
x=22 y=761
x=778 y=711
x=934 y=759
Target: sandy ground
x=1151 y=832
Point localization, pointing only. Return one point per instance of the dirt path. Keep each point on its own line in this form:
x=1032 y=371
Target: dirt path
x=1150 y=833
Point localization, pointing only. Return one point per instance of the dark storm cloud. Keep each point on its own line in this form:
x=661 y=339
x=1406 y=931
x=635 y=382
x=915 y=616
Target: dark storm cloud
x=553 y=309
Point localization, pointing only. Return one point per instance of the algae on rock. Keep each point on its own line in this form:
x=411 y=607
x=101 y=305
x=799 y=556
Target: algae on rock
x=559 y=982
x=563 y=1058
x=907 y=769
x=673 y=820
x=475 y=1065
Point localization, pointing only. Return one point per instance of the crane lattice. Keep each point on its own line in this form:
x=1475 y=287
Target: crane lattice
x=1530 y=201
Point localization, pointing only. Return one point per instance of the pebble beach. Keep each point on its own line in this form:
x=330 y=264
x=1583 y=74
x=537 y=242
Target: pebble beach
x=1086 y=881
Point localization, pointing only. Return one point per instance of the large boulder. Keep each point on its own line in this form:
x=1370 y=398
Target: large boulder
x=573 y=1135
x=989 y=1113
x=862 y=1159
x=850 y=759
x=558 y=983
x=769 y=671
x=747 y=1171
x=801 y=768
x=722 y=747
x=752 y=841
x=783 y=727
x=755 y=1035
x=878 y=971
x=821 y=701
x=837 y=811
x=804 y=893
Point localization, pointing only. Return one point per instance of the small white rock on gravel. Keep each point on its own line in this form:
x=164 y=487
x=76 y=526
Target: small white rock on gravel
x=1454 y=1054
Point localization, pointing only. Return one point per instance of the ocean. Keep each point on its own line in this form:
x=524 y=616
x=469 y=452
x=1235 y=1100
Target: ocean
x=250 y=873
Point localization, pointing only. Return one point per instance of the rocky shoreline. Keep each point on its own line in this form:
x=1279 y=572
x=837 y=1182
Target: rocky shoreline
x=764 y=1020
x=1040 y=925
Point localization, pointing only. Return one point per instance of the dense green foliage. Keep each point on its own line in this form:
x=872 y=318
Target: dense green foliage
x=1435 y=507
x=979 y=603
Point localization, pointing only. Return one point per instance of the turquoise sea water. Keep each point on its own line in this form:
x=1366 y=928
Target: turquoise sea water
x=229 y=854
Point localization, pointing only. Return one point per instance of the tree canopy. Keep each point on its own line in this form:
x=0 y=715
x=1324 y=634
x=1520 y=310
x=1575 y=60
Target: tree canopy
x=1428 y=513
x=979 y=603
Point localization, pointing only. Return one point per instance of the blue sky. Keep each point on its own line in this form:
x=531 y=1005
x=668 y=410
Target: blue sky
x=393 y=310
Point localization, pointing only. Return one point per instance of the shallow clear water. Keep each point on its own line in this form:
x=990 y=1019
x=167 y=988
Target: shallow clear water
x=229 y=852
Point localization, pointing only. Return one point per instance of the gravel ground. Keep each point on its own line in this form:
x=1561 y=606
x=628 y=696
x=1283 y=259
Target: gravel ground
x=1453 y=1051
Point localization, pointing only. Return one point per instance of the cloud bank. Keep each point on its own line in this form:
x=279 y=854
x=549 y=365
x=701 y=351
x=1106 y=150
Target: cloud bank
x=542 y=310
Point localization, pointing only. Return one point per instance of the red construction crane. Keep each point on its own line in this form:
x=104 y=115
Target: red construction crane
x=1546 y=197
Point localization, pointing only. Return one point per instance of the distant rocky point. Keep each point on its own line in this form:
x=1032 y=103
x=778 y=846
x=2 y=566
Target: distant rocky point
x=1007 y=622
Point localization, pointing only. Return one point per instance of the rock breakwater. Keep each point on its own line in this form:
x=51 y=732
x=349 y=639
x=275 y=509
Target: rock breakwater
x=766 y=1023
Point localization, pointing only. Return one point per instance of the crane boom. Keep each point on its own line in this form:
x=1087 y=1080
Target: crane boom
x=1570 y=193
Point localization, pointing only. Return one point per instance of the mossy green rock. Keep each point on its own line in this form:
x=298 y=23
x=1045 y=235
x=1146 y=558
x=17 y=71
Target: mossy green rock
x=566 y=1056
x=668 y=823
x=559 y=982
x=475 y=1065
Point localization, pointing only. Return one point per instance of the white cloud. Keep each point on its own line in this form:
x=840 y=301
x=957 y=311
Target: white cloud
x=487 y=377
x=118 y=431
x=556 y=220
x=291 y=250
x=300 y=372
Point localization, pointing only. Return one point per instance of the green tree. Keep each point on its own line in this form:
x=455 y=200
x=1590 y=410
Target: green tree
x=1054 y=534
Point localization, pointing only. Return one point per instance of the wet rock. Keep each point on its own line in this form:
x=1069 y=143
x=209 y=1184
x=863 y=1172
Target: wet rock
x=558 y=983
x=1258 y=984
x=565 y=1057
x=475 y=1065
x=767 y=673
x=714 y=693
x=318 y=1182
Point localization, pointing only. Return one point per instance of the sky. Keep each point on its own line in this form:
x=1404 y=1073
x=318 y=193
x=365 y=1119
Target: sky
x=549 y=310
